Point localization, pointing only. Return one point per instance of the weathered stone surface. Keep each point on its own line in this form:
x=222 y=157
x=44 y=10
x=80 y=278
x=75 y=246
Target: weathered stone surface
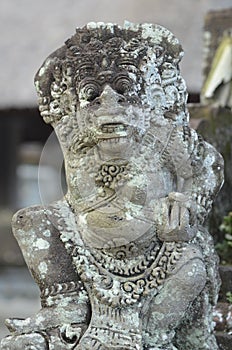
x=19 y=295
x=218 y=130
x=214 y=115
x=224 y=341
x=215 y=127
x=122 y=261
x=27 y=341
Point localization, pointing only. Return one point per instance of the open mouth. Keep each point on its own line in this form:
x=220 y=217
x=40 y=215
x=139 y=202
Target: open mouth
x=113 y=130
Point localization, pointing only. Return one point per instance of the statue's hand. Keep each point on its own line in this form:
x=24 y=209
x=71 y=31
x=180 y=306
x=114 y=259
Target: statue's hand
x=33 y=341
x=175 y=217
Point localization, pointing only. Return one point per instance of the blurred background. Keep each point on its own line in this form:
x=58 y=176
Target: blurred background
x=30 y=31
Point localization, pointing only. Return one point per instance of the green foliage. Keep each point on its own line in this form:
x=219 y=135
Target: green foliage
x=224 y=248
x=226 y=225
x=229 y=297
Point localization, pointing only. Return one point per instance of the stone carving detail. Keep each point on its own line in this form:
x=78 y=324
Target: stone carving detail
x=122 y=261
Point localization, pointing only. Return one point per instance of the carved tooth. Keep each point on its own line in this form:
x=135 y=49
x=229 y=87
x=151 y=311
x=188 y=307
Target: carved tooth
x=113 y=128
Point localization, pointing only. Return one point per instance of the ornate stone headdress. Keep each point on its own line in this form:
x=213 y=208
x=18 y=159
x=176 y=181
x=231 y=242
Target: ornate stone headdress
x=149 y=51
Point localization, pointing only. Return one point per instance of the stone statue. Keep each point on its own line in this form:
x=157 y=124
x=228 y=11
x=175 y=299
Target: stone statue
x=122 y=261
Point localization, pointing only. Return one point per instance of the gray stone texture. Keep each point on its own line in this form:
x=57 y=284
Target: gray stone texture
x=122 y=261
x=18 y=295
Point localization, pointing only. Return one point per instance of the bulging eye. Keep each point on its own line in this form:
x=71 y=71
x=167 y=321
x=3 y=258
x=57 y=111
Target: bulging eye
x=88 y=90
x=122 y=84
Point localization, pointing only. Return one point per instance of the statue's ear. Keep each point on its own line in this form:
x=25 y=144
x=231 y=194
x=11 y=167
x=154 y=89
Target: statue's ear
x=50 y=73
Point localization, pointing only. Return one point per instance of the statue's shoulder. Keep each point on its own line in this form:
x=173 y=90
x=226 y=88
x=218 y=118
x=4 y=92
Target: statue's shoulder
x=26 y=218
x=37 y=218
x=30 y=225
x=36 y=215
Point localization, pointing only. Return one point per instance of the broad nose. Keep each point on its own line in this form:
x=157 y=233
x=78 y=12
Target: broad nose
x=109 y=97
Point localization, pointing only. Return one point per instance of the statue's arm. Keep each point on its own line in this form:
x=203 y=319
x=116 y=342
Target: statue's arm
x=199 y=173
x=63 y=298
x=33 y=234
x=208 y=178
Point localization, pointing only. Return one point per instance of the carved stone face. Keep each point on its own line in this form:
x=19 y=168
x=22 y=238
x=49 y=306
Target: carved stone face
x=111 y=94
x=109 y=104
x=112 y=78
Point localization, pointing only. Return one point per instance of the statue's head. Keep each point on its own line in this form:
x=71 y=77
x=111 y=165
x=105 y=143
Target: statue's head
x=110 y=84
x=117 y=102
